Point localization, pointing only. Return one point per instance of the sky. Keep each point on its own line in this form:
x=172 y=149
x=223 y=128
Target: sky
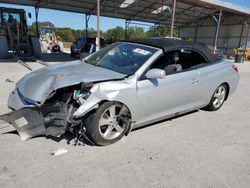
x=77 y=21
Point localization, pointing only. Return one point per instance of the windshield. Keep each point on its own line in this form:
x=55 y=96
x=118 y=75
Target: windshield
x=46 y=30
x=125 y=58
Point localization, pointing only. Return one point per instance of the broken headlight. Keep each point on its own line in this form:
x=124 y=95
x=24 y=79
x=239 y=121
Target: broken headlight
x=82 y=93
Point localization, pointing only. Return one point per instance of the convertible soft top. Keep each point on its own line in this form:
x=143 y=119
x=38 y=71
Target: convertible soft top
x=167 y=44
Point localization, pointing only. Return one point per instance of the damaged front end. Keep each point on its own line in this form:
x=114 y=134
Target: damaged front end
x=62 y=111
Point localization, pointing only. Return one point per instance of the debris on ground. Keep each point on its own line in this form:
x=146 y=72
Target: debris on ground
x=59 y=151
x=8 y=80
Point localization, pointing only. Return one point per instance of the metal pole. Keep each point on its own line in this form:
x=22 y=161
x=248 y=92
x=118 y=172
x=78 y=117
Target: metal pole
x=195 y=33
x=241 y=32
x=154 y=30
x=98 y=26
x=218 y=20
x=245 y=46
x=126 y=29
x=36 y=14
x=86 y=25
x=127 y=23
x=172 y=22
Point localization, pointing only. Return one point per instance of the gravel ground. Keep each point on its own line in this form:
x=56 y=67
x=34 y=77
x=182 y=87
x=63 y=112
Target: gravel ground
x=202 y=149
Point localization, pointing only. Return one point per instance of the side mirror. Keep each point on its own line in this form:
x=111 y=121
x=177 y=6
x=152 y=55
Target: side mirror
x=29 y=15
x=156 y=74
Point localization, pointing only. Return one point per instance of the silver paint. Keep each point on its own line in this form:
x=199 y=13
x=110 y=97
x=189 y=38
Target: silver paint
x=148 y=100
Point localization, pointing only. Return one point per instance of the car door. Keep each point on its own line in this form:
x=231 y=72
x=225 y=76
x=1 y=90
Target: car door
x=177 y=92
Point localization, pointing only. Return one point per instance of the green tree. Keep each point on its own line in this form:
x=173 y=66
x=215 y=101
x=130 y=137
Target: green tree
x=136 y=32
x=114 y=35
x=65 y=34
x=162 y=30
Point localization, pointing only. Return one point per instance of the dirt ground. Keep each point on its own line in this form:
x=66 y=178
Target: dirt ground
x=201 y=149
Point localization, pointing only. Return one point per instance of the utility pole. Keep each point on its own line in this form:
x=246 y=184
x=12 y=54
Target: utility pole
x=172 y=22
x=98 y=26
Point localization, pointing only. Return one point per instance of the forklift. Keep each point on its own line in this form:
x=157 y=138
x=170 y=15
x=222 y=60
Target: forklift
x=49 y=41
x=14 y=35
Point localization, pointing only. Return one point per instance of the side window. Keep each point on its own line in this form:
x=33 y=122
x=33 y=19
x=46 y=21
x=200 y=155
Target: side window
x=168 y=62
x=190 y=59
x=179 y=60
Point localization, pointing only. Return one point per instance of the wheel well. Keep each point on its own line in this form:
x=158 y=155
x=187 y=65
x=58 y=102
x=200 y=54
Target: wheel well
x=103 y=101
x=228 y=89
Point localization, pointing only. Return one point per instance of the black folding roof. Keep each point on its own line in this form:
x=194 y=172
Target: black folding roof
x=167 y=44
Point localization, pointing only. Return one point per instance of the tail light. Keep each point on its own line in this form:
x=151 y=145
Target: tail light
x=235 y=68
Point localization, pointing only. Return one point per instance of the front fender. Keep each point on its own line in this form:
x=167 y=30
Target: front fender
x=90 y=104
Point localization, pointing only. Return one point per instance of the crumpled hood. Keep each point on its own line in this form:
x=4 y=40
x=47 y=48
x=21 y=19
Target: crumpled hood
x=39 y=84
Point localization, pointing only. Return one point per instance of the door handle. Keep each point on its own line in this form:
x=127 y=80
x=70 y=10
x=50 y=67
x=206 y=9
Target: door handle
x=194 y=81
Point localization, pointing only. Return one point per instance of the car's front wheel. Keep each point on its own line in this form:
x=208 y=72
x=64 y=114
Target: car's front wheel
x=218 y=98
x=108 y=123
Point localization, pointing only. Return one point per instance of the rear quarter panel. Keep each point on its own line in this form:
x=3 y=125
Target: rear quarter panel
x=215 y=74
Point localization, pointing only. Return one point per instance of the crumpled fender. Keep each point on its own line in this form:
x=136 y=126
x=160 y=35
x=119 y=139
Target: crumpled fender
x=90 y=104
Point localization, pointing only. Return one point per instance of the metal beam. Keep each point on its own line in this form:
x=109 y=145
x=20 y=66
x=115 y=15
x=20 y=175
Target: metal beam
x=127 y=23
x=241 y=32
x=218 y=20
x=246 y=41
x=87 y=17
x=98 y=26
x=172 y=22
x=36 y=15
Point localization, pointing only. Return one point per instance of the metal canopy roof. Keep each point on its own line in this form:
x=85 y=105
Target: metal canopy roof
x=153 y=11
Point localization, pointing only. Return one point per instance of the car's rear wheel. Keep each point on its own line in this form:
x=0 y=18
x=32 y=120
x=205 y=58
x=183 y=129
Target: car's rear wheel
x=108 y=124
x=218 y=98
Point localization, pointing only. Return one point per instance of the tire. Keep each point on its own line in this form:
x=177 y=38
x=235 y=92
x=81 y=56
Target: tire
x=61 y=46
x=103 y=128
x=4 y=47
x=44 y=47
x=23 y=50
x=55 y=48
x=36 y=47
x=219 y=95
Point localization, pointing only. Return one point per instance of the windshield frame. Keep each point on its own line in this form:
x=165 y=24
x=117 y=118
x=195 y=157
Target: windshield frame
x=86 y=59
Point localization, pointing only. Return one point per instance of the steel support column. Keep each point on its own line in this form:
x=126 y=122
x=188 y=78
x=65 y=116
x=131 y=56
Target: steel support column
x=87 y=17
x=36 y=15
x=195 y=33
x=241 y=33
x=127 y=23
x=98 y=26
x=154 y=30
x=217 y=18
x=172 y=21
x=246 y=41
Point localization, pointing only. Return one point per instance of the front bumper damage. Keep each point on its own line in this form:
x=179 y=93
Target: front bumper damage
x=50 y=119
x=30 y=122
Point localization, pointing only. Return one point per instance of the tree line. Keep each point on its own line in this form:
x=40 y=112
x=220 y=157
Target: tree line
x=67 y=34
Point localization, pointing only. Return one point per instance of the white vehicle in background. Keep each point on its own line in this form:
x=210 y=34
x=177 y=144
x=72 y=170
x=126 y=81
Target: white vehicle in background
x=49 y=41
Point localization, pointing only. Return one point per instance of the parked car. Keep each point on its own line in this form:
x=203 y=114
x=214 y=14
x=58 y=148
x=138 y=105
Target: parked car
x=123 y=86
x=84 y=45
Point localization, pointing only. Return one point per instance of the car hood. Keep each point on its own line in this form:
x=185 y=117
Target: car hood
x=38 y=85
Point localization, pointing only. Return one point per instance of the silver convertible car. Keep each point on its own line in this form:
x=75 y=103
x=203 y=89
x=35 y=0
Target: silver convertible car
x=124 y=86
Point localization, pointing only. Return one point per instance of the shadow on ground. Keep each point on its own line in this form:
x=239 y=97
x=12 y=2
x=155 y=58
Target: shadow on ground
x=71 y=138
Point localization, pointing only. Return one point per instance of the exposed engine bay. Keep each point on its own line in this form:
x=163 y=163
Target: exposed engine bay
x=54 y=117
